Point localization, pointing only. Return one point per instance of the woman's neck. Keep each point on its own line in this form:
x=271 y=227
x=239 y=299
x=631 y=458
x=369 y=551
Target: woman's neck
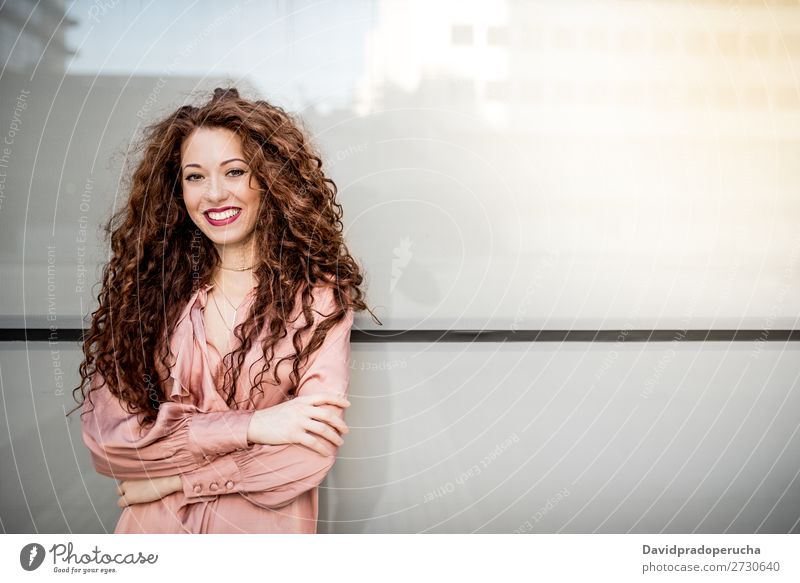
x=235 y=283
x=238 y=255
x=230 y=276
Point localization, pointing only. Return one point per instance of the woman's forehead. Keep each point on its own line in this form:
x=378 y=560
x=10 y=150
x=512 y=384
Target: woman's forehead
x=211 y=143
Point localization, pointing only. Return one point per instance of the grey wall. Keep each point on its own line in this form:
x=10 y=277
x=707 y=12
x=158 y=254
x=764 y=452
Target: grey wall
x=487 y=438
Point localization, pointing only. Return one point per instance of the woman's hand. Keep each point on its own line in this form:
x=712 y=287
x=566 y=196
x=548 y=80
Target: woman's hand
x=304 y=420
x=147 y=490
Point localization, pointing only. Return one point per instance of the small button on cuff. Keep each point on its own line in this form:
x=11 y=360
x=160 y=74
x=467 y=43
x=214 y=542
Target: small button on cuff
x=229 y=485
x=198 y=489
x=213 y=486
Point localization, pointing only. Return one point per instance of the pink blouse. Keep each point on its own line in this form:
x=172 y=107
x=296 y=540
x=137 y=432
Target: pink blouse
x=229 y=485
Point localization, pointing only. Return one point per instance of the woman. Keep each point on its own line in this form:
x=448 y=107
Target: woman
x=230 y=244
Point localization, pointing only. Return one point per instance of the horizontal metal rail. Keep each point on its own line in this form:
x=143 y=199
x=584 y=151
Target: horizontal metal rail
x=388 y=336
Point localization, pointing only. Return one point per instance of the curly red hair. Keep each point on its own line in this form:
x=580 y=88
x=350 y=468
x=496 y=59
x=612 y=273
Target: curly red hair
x=160 y=257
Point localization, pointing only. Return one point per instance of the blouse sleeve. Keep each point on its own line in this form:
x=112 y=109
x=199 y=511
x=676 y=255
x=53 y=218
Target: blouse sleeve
x=271 y=476
x=182 y=438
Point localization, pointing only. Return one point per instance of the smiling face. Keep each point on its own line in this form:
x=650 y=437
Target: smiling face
x=219 y=190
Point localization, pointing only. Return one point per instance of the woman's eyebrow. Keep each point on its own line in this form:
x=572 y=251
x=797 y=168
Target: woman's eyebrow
x=221 y=163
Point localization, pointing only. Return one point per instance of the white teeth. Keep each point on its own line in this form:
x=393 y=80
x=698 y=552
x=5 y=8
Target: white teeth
x=224 y=215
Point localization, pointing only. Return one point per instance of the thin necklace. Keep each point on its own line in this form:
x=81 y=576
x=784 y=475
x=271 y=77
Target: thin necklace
x=227 y=298
x=237 y=268
x=235 y=308
x=224 y=321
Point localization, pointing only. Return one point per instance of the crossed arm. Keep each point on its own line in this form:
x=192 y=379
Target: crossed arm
x=207 y=453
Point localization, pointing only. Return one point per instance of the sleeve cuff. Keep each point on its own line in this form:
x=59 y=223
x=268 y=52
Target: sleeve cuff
x=220 y=477
x=218 y=433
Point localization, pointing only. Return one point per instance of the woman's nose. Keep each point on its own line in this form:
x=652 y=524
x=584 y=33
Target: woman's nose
x=215 y=189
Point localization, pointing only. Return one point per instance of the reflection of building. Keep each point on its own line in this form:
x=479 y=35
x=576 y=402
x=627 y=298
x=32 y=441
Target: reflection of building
x=599 y=66
x=455 y=59
x=655 y=67
x=34 y=33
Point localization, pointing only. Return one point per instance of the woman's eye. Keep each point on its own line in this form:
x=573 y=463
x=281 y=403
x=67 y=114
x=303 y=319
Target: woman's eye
x=240 y=172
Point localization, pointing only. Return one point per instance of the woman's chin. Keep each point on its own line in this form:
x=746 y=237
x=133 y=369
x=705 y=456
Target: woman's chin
x=229 y=240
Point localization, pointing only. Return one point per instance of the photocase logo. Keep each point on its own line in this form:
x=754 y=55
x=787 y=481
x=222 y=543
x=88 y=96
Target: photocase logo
x=31 y=556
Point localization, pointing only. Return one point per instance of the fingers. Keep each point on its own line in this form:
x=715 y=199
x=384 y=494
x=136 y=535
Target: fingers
x=330 y=418
x=121 y=501
x=323 y=427
x=315 y=444
x=325 y=431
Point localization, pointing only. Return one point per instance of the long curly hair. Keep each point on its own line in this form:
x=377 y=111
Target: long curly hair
x=160 y=257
